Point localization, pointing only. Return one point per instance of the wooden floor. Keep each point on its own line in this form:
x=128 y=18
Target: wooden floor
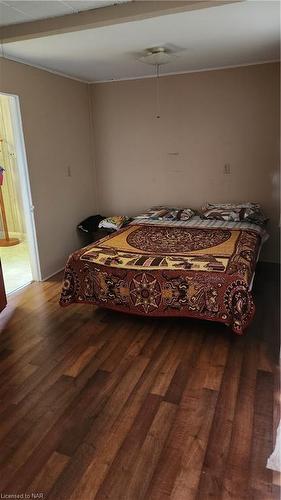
x=96 y=404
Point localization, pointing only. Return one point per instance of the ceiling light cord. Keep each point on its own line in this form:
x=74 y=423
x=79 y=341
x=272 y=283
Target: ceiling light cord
x=2 y=48
x=156 y=56
x=157 y=91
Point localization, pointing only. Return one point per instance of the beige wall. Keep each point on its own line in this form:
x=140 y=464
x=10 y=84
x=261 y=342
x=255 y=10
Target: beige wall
x=55 y=114
x=207 y=119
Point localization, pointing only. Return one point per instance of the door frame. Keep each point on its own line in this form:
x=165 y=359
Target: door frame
x=28 y=207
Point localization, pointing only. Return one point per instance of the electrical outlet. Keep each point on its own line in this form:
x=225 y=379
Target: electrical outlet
x=226 y=169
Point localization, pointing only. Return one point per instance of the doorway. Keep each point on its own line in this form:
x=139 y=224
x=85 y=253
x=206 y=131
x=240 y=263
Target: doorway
x=18 y=244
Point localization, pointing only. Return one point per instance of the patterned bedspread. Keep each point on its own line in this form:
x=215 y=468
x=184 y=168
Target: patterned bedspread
x=194 y=269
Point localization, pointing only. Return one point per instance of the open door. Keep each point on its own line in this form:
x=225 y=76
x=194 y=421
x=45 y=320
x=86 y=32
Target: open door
x=18 y=246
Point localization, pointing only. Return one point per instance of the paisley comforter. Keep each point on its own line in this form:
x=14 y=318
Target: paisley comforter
x=196 y=268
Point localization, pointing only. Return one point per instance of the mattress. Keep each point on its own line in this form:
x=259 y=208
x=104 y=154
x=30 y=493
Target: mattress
x=197 y=268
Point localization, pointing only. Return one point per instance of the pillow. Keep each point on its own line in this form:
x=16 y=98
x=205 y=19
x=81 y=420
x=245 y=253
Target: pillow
x=154 y=213
x=234 y=212
x=115 y=222
x=166 y=213
x=210 y=211
x=185 y=214
x=255 y=215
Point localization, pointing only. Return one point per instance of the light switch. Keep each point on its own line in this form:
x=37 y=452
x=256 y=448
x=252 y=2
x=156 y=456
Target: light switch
x=226 y=169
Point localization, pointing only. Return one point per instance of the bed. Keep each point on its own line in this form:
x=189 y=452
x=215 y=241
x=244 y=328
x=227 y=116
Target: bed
x=196 y=268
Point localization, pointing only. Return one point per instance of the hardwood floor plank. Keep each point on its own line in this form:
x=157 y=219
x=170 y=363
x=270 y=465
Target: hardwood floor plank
x=42 y=380
x=211 y=479
x=87 y=469
x=276 y=400
x=179 y=467
x=81 y=426
x=260 y=478
x=265 y=359
x=194 y=409
x=276 y=479
x=143 y=468
x=18 y=457
x=159 y=331
x=184 y=369
x=238 y=460
x=140 y=340
x=218 y=362
x=113 y=360
x=59 y=345
x=195 y=444
x=41 y=453
x=117 y=477
x=34 y=423
x=198 y=374
x=44 y=481
x=83 y=359
x=164 y=378
x=52 y=439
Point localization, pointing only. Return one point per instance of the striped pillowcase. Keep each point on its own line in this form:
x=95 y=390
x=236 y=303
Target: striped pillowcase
x=231 y=212
x=167 y=213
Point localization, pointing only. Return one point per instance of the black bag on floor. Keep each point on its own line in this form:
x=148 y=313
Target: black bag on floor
x=87 y=227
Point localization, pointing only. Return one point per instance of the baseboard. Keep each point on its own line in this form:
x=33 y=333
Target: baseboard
x=53 y=274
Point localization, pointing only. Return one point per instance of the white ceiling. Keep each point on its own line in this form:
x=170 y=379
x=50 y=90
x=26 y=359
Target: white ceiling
x=21 y=11
x=225 y=35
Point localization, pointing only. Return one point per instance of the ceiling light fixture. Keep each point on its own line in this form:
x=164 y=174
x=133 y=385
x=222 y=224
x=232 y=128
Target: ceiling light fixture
x=156 y=56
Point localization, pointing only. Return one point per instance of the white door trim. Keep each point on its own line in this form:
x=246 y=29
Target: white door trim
x=28 y=207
